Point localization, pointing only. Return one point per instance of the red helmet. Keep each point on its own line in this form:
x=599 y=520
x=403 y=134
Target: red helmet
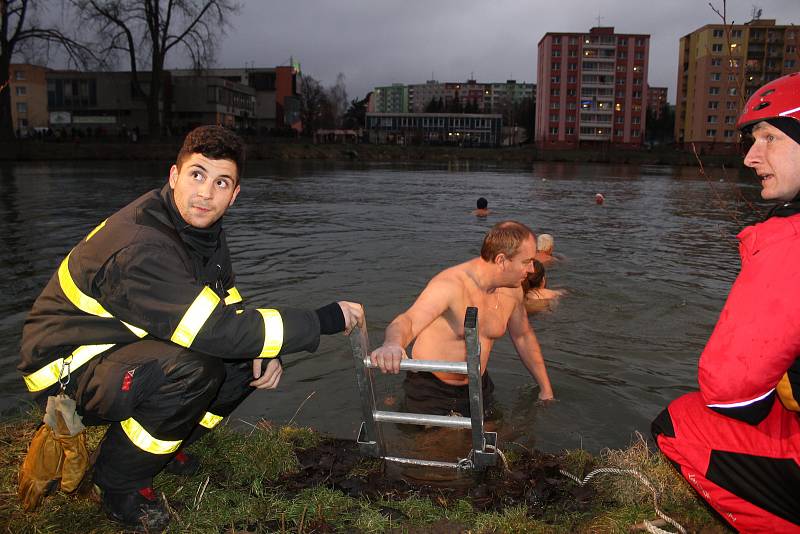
x=779 y=98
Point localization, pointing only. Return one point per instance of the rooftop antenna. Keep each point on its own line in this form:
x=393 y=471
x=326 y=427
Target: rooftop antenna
x=756 y=14
x=599 y=18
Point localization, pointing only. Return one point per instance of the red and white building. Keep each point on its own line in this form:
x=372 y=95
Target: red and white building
x=591 y=89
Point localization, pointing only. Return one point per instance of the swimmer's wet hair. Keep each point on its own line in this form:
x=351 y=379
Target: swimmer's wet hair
x=482 y=203
x=544 y=242
x=214 y=142
x=504 y=238
x=534 y=280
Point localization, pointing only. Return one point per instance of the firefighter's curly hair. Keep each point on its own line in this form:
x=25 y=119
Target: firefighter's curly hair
x=214 y=142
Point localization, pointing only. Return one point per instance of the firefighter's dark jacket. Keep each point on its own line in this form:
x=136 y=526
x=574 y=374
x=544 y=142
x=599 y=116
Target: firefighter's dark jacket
x=132 y=277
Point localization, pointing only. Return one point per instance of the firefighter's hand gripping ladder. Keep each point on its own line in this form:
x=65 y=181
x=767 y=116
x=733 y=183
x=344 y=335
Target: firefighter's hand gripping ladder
x=370 y=438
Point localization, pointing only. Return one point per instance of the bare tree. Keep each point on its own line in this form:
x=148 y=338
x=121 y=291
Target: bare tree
x=20 y=27
x=314 y=104
x=337 y=94
x=144 y=32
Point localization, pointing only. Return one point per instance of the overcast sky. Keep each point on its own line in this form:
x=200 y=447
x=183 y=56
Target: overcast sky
x=379 y=42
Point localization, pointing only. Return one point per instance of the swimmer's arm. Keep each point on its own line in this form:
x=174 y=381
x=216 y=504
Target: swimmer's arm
x=433 y=302
x=529 y=350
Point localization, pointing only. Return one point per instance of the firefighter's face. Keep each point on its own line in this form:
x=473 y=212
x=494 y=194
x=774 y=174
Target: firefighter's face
x=204 y=189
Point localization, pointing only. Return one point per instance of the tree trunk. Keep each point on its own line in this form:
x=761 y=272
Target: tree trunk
x=153 y=98
x=6 y=122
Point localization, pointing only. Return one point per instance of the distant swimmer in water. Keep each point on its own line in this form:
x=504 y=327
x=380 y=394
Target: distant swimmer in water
x=483 y=208
x=544 y=249
x=599 y=198
x=490 y=282
x=537 y=296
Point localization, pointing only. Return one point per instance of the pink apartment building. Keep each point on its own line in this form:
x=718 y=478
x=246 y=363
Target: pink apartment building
x=591 y=89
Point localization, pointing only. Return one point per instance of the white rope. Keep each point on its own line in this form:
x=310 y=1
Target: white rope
x=650 y=527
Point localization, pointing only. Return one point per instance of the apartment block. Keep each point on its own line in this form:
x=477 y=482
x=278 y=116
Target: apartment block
x=591 y=89
x=277 y=101
x=719 y=68
x=28 y=87
x=479 y=97
x=390 y=99
x=656 y=101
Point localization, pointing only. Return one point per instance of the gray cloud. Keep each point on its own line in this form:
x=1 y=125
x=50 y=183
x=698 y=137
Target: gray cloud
x=377 y=42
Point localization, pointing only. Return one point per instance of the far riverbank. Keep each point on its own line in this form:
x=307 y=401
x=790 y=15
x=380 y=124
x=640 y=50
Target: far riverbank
x=165 y=150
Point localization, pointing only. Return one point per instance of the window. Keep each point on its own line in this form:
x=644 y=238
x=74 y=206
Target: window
x=570 y=118
x=635 y=133
x=711 y=132
x=620 y=94
x=637 y=94
x=730 y=105
x=713 y=90
x=639 y=42
x=637 y=68
x=715 y=76
x=636 y=120
x=572 y=66
x=21 y=90
x=731 y=91
x=554 y=117
x=569 y=131
x=728 y=133
x=716 y=62
x=712 y=119
x=555 y=105
x=622 y=54
x=621 y=68
x=22 y=122
x=571 y=105
x=572 y=92
x=19 y=75
x=554 y=130
x=730 y=119
x=713 y=104
x=716 y=48
x=734 y=63
x=620 y=81
x=573 y=40
x=791 y=49
x=719 y=33
x=622 y=41
x=620 y=119
x=619 y=132
x=637 y=81
x=22 y=107
x=789 y=63
x=555 y=91
x=736 y=34
x=556 y=53
x=555 y=66
x=555 y=79
x=731 y=77
x=572 y=53
x=638 y=55
x=572 y=79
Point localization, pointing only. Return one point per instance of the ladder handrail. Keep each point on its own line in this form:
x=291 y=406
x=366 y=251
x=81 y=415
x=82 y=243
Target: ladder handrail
x=370 y=437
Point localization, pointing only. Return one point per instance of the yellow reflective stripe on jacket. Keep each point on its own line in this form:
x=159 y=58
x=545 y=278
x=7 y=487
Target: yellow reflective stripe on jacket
x=84 y=302
x=210 y=420
x=142 y=438
x=97 y=229
x=233 y=296
x=195 y=317
x=273 y=333
x=138 y=332
x=78 y=298
x=48 y=375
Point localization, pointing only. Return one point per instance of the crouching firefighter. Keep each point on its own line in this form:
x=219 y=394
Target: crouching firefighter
x=144 y=317
x=737 y=440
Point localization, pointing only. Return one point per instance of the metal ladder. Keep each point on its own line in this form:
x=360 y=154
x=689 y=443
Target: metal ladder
x=370 y=438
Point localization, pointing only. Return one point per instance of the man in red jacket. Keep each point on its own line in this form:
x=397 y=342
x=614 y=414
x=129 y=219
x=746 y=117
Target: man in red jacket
x=737 y=440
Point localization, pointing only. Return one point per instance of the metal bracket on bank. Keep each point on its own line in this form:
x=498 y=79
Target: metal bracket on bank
x=370 y=439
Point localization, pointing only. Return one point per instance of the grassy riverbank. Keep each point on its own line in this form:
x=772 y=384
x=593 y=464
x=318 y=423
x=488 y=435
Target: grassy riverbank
x=288 y=479
x=266 y=149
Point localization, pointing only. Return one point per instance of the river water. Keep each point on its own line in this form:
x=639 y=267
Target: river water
x=647 y=273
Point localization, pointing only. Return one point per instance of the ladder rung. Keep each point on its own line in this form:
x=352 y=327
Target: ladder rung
x=427 y=463
x=422 y=419
x=442 y=366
